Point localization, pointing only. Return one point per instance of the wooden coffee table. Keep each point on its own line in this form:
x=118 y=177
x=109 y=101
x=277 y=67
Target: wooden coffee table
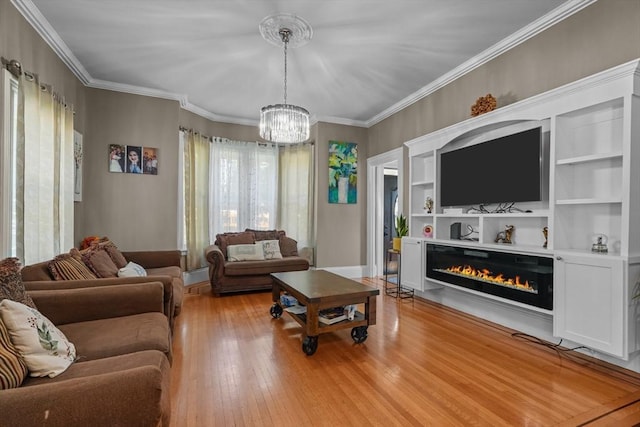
x=317 y=290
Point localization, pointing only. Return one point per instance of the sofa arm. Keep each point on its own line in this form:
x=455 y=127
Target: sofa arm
x=155 y=259
x=78 y=305
x=98 y=400
x=216 y=260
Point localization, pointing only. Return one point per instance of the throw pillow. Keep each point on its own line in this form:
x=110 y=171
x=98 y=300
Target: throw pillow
x=241 y=238
x=266 y=234
x=118 y=259
x=100 y=263
x=252 y=252
x=288 y=246
x=132 y=270
x=44 y=348
x=70 y=267
x=11 y=286
x=271 y=249
x=13 y=370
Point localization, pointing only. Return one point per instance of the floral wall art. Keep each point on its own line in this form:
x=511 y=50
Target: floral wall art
x=343 y=172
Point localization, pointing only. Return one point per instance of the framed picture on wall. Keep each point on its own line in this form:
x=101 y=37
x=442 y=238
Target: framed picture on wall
x=150 y=161
x=343 y=172
x=133 y=161
x=116 y=158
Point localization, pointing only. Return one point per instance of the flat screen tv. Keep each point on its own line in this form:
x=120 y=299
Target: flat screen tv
x=502 y=170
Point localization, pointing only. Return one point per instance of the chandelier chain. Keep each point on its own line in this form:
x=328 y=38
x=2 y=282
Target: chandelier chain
x=285 y=33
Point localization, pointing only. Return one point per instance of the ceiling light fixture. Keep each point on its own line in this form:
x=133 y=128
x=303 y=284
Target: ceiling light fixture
x=285 y=123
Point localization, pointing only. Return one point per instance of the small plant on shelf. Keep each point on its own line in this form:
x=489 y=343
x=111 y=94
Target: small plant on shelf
x=402 y=229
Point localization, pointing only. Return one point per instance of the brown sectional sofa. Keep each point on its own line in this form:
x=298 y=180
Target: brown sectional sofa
x=251 y=275
x=122 y=374
x=161 y=266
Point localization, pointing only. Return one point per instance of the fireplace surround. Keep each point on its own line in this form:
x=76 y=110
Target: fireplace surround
x=527 y=279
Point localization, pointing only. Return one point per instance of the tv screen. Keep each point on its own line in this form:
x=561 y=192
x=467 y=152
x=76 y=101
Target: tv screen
x=502 y=170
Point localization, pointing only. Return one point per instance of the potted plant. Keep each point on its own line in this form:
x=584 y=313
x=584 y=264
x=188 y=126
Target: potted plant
x=402 y=229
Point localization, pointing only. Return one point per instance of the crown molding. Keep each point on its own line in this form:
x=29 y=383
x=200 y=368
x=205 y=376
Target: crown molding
x=51 y=37
x=536 y=27
x=339 y=121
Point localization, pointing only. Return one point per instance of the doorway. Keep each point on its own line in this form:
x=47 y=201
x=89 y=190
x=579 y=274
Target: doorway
x=379 y=228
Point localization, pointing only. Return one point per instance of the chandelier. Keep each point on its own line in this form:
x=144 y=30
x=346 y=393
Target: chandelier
x=285 y=123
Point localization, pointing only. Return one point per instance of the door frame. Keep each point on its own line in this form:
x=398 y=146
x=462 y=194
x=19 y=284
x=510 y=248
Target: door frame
x=375 y=205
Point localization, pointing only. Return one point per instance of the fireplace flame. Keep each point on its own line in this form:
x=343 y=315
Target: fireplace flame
x=487 y=276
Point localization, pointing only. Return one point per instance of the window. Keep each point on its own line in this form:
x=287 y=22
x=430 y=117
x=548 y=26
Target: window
x=246 y=185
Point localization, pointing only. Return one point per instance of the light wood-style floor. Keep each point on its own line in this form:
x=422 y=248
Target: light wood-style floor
x=422 y=364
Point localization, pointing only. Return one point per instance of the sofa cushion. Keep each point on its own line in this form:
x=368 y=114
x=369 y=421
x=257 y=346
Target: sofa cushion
x=13 y=370
x=11 y=286
x=128 y=390
x=70 y=267
x=288 y=246
x=101 y=338
x=256 y=268
x=240 y=238
x=271 y=249
x=45 y=349
x=132 y=270
x=100 y=263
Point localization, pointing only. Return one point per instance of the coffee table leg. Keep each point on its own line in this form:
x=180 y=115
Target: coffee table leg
x=310 y=345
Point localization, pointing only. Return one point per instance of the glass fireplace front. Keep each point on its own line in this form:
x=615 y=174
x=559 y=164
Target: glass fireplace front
x=524 y=278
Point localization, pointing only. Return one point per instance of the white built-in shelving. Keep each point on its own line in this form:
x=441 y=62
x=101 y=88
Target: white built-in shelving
x=592 y=137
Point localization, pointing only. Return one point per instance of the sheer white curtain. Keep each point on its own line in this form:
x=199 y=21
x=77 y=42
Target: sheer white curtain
x=196 y=198
x=44 y=173
x=295 y=204
x=243 y=186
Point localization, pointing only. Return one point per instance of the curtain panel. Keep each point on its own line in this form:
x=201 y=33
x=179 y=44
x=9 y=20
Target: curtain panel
x=295 y=192
x=44 y=173
x=196 y=198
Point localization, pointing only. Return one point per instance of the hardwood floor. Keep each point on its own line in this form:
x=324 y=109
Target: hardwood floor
x=422 y=364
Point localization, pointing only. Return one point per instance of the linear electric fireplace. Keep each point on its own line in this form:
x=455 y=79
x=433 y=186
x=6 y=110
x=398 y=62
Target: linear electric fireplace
x=524 y=278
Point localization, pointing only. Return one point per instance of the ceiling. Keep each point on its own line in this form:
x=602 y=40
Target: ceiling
x=366 y=60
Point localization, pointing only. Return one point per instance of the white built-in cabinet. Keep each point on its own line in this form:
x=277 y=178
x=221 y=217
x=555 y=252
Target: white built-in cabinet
x=412 y=263
x=591 y=130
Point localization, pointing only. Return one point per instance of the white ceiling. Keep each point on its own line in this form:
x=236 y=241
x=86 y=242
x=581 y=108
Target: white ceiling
x=366 y=60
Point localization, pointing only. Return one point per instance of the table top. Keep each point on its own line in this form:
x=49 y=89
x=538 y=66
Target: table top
x=316 y=284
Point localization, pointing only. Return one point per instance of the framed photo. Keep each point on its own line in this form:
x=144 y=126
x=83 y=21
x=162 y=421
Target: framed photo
x=150 y=161
x=116 y=158
x=133 y=162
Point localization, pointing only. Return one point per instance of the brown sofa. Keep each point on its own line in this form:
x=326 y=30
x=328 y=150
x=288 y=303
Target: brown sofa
x=237 y=276
x=161 y=266
x=122 y=373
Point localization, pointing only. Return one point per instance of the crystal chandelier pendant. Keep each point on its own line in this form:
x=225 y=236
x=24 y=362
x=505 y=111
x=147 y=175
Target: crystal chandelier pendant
x=285 y=123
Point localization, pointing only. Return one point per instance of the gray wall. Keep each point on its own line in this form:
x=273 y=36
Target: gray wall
x=341 y=228
x=136 y=211
x=139 y=212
